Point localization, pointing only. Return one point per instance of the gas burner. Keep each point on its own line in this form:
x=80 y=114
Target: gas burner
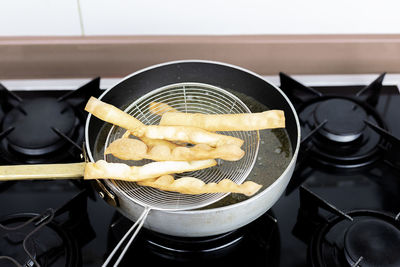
x=354 y=238
x=377 y=239
x=255 y=244
x=213 y=247
x=37 y=129
x=343 y=140
x=34 y=132
x=344 y=119
x=370 y=238
x=335 y=125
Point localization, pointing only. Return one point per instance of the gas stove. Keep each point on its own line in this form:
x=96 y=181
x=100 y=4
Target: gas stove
x=340 y=208
x=342 y=197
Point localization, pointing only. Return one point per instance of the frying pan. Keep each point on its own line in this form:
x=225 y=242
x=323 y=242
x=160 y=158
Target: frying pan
x=221 y=217
x=248 y=86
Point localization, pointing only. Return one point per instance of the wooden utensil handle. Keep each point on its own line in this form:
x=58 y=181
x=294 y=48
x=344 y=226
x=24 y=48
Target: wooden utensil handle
x=42 y=171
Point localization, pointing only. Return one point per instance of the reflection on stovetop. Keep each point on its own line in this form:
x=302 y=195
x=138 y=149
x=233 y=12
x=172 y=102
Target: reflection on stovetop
x=256 y=244
x=344 y=171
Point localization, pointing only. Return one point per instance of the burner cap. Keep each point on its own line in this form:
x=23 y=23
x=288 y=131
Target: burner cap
x=345 y=119
x=338 y=133
x=377 y=241
x=33 y=125
x=372 y=235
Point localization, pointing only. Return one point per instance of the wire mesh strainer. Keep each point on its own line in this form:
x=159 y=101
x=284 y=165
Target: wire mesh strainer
x=190 y=98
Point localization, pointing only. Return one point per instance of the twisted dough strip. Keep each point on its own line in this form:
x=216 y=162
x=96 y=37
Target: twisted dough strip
x=133 y=149
x=155 y=142
x=120 y=171
x=113 y=115
x=152 y=142
x=186 y=134
x=190 y=134
x=191 y=185
x=227 y=122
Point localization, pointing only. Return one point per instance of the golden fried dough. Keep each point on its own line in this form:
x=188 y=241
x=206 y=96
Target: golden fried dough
x=155 y=142
x=202 y=151
x=133 y=149
x=127 y=149
x=152 y=142
x=126 y=134
x=113 y=115
x=191 y=185
x=160 y=108
x=166 y=144
x=120 y=171
x=191 y=135
x=226 y=122
x=186 y=134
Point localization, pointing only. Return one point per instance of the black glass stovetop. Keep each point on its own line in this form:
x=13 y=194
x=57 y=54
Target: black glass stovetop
x=67 y=224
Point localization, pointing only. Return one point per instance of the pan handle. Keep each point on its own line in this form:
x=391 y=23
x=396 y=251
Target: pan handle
x=42 y=171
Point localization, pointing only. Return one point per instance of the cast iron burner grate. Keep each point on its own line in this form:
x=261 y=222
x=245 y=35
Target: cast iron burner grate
x=52 y=238
x=339 y=129
x=356 y=238
x=42 y=129
x=34 y=240
x=34 y=132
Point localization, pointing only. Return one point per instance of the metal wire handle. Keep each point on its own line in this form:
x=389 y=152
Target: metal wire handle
x=137 y=225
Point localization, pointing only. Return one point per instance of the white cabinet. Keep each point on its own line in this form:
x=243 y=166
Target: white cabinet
x=123 y=17
x=188 y=17
x=39 y=17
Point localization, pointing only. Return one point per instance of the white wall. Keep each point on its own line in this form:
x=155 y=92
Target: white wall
x=124 y=17
x=39 y=17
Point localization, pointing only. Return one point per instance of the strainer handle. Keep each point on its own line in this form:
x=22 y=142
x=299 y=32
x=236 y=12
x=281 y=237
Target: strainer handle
x=136 y=226
x=42 y=171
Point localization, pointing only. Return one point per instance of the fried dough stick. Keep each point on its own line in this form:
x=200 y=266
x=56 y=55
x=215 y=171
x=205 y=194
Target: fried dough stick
x=160 y=108
x=191 y=185
x=155 y=142
x=133 y=149
x=113 y=115
x=190 y=135
x=227 y=122
x=120 y=171
x=128 y=149
x=152 y=142
x=186 y=134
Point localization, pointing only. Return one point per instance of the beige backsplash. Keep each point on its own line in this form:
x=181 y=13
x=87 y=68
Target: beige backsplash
x=116 y=56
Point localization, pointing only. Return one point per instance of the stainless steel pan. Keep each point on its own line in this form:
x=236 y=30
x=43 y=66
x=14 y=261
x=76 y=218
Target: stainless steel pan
x=273 y=169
